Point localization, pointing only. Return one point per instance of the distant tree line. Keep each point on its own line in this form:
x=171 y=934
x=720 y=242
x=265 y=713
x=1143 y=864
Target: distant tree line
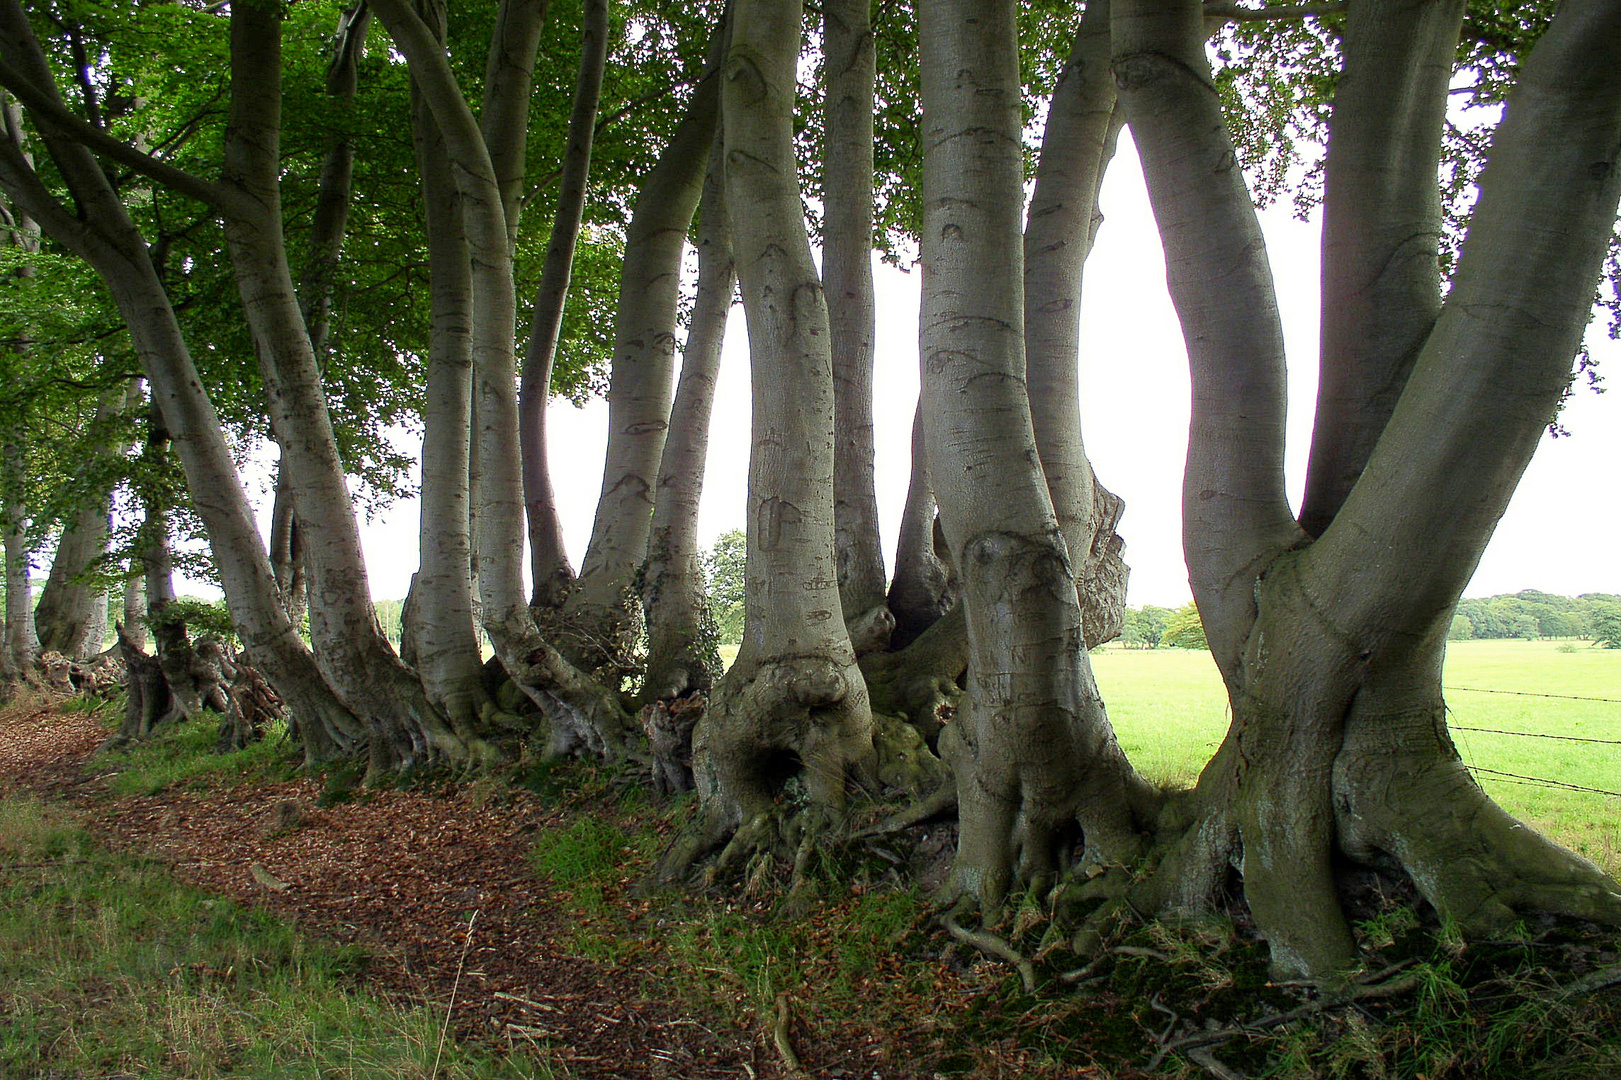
x=1531 y=614
x=1527 y=615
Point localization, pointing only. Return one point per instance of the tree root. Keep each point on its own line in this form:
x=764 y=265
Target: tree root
x=780 y=1039
x=1382 y=984
x=943 y=799
x=992 y=945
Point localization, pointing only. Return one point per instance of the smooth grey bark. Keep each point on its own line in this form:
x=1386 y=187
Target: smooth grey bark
x=1381 y=287
x=1076 y=147
x=328 y=227
x=442 y=631
x=509 y=66
x=922 y=589
x=550 y=573
x=1331 y=650
x=581 y=711
x=20 y=648
x=599 y=617
x=102 y=233
x=67 y=618
x=793 y=703
x=189 y=681
x=1031 y=747
x=134 y=604
x=681 y=637
x=848 y=71
x=287 y=551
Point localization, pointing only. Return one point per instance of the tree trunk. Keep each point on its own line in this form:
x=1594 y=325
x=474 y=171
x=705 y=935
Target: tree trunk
x=1332 y=652
x=1079 y=141
x=134 y=605
x=1032 y=748
x=21 y=646
x=287 y=551
x=793 y=705
x=924 y=588
x=681 y=638
x=600 y=623
x=848 y=73
x=1381 y=285
x=550 y=574
x=66 y=618
x=328 y=228
x=443 y=633
x=175 y=656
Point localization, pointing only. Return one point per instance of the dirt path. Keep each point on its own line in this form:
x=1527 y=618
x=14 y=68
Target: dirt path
x=402 y=874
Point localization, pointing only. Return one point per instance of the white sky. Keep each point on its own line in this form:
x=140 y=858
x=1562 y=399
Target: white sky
x=1558 y=535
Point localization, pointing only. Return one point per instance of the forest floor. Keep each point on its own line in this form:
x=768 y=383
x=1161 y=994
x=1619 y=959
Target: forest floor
x=508 y=907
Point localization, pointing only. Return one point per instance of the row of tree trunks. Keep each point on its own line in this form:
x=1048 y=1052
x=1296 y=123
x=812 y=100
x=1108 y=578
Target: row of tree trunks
x=581 y=711
x=102 y=233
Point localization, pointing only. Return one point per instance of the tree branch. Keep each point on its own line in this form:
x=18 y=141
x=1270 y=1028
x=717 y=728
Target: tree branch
x=45 y=108
x=1232 y=12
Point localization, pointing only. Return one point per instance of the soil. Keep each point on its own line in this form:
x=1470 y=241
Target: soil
x=400 y=873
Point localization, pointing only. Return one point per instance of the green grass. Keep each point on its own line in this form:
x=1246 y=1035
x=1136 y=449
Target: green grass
x=1170 y=712
x=110 y=968
x=184 y=753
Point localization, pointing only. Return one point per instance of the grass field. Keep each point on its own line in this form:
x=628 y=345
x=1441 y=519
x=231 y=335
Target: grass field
x=1170 y=712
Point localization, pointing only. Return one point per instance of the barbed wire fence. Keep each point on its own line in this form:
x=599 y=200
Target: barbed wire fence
x=1504 y=777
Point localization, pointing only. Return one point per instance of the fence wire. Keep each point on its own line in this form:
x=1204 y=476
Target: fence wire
x=1535 y=781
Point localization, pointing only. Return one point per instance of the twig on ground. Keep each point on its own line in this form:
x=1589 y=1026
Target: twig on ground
x=455 y=985
x=989 y=943
x=1138 y=950
x=504 y=996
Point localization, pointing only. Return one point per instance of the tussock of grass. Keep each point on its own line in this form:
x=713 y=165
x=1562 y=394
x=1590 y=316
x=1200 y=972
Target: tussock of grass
x=185 y=752
x=112 y=969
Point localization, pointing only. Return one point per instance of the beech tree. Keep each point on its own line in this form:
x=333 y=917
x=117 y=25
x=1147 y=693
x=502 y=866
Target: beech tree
x=1329 y=628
